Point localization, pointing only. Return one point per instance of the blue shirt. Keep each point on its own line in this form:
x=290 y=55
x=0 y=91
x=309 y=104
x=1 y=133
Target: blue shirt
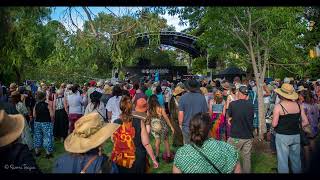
x=191 y=104
x=160 y=99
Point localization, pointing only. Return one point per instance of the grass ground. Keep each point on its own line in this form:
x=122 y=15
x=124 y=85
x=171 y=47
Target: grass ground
x=262 y=162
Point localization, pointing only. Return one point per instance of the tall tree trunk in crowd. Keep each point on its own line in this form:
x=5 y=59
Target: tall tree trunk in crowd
x=255 y=46
x=18 y=75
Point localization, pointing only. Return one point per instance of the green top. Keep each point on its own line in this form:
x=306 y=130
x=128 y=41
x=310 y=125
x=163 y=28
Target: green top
x=148 y=92
x=223 y=155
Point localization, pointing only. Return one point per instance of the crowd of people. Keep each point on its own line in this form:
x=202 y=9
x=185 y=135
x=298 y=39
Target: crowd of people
x=213 y=124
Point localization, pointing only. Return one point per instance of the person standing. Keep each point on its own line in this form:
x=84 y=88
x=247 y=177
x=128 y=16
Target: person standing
x=204 y=154
x=217 y=114
x=96 y=105
x=241 y=121
x=140 y=112
x=177 y=139
x=113 y=105
x=60 y=128
x=190 y=104
x=22 y=109
x=286 y=121
x=12 y=152
x=131 y=142
x=73 y=107
x=85 y=147
x=159 y=126
x=43 y=127
x=160 y=96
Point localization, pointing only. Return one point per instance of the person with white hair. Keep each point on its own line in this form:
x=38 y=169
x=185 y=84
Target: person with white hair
x=100 y=86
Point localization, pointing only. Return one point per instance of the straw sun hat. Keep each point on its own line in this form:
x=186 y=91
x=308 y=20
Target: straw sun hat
x=204 y=90
x=11 y=127
x=287 y=91
x=89 y=133
x=178 y=90
x=107 y=89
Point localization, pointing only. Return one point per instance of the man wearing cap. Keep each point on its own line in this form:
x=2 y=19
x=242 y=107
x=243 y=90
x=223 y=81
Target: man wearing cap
x=241 y=116
x=190 y=104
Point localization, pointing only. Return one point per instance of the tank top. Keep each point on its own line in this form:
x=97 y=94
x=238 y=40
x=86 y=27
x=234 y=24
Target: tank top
x=217 y=108
x=59 y=103
x=288 y=123
x=42 y=112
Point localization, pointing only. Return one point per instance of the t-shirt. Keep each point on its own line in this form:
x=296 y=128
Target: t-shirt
x=160 y=99
x=223 y=155
x=191 y=104
x=75 y=104
x=242 y=114
x=113 y=106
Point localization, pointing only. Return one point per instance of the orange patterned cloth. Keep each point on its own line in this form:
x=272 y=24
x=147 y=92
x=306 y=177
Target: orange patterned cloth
x=123 y=153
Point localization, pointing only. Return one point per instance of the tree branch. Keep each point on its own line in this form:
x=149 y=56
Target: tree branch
x=126 y=30
x=93 y=29
x=72 y=22
x=238 y=36
x=242 y=27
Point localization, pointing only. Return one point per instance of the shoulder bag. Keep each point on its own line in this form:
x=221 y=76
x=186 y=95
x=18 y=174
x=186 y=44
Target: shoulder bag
x=206 y=158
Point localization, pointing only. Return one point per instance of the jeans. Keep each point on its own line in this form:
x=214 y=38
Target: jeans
x=244 y=146
x=288 y=147
x=186 y=135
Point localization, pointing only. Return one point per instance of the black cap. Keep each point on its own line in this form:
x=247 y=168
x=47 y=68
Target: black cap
x=244 y=90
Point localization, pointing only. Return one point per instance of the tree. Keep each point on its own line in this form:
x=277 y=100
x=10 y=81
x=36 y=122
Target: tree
x=258 y=36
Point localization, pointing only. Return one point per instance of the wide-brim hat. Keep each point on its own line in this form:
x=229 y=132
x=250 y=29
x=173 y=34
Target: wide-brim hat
x=89 y=133
x=204 y=90
x=178 y=90
x=141 y=105
x=11 y=127
x=287 y=91
x=107 y=89
x=301 y=88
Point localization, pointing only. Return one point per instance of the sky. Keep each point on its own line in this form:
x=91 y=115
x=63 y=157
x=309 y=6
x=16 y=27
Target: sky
x=58 y=14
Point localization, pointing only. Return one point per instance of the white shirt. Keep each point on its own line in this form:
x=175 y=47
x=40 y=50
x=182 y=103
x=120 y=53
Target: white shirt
x=113 y=106
x=75 y=103
x=100 y=109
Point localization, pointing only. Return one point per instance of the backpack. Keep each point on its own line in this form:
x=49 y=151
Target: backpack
x=123 y=153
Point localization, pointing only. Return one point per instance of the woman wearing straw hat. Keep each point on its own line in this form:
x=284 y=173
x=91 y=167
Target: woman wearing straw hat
x=131 y=142
x=177 y=139
x=84 y=146
x=286 y=122
x=15 y=157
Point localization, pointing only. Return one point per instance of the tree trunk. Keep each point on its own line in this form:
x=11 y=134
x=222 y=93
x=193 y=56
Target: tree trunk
x=18 y=75
x=262 y=121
